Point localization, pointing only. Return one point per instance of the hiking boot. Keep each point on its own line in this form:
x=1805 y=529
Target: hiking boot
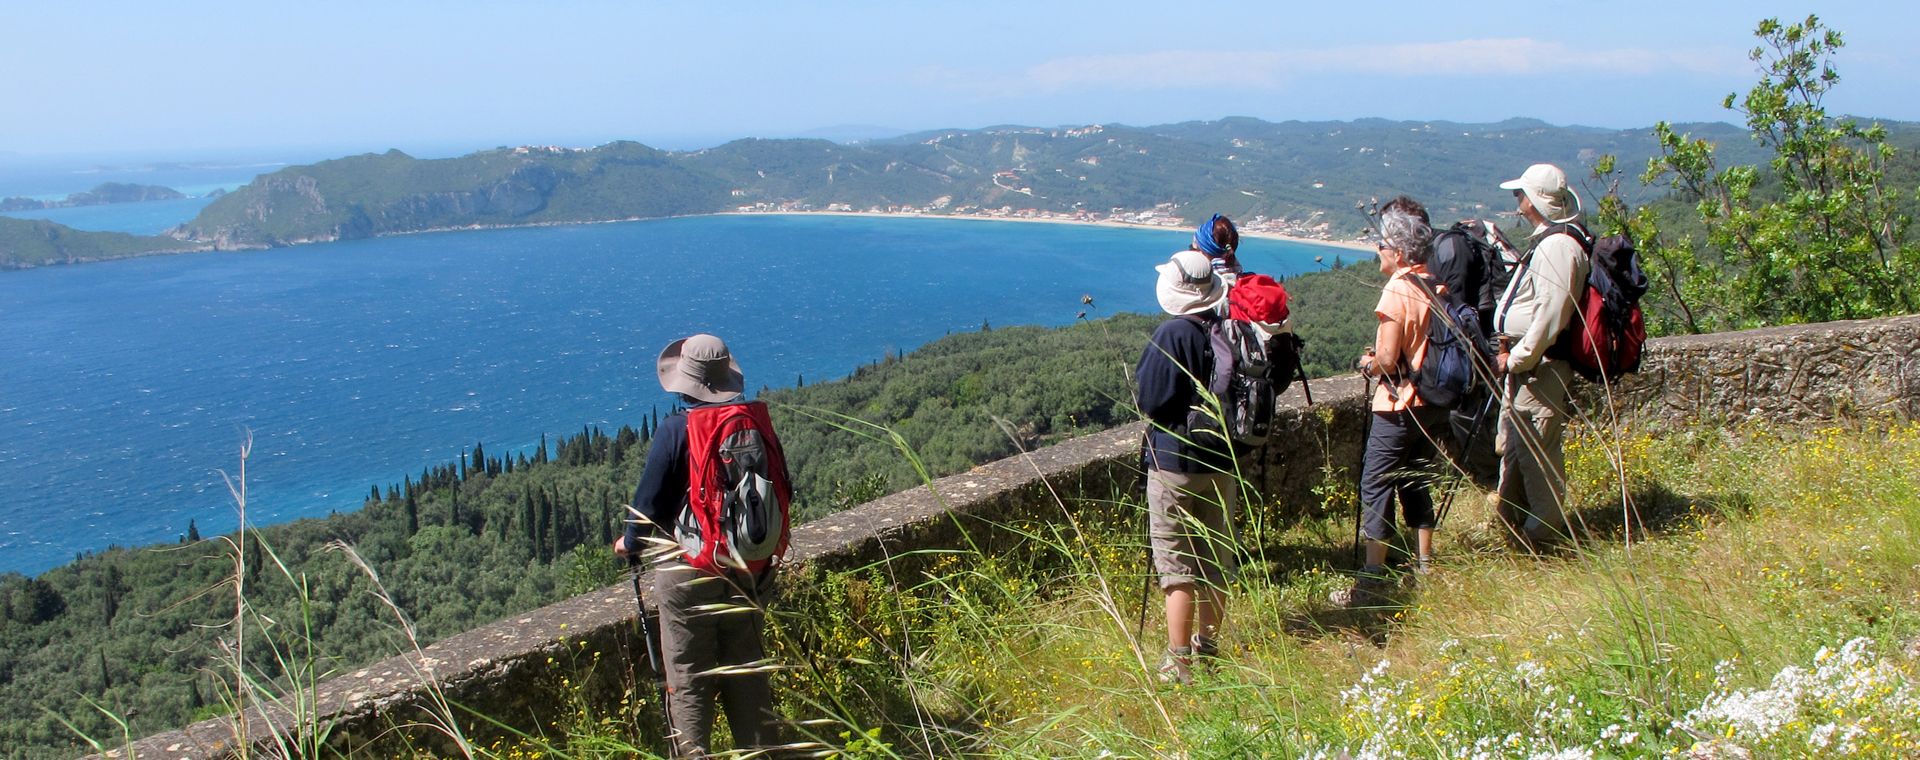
x=1422 y=567
x=1355 y=596
x=1205 y=647
x=1176 y=666
x=1368 y=590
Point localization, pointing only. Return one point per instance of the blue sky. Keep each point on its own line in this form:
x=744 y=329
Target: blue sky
x=442 y=77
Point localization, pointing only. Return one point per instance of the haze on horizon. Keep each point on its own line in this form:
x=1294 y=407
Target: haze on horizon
x=212 y=77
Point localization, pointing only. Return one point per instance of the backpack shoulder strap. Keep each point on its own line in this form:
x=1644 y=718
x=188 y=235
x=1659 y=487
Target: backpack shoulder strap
x=1573 y=230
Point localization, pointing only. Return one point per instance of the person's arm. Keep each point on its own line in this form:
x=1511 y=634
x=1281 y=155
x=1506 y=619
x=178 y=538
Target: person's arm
x=1386 y=346
x=1557 y=285
x=1160 y=378
x=663 y=483
x=1385 y=357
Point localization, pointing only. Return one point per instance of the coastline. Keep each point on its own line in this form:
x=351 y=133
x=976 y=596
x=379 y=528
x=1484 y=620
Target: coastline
x=1112 y=223
x=1109 y=223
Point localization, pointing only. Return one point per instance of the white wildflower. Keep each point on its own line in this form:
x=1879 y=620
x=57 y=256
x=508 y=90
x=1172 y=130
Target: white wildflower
x=1822 y=735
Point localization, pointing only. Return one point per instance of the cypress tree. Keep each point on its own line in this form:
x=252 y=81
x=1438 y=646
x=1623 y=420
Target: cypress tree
x=110 y=595
x=413 y=515
x=526 y=520
x=553 y=525
x=193 y=532
x=542 y=530
x=256 y=559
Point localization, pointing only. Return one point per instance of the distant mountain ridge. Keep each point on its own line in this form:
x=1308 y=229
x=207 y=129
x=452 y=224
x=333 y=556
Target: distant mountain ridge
x=1304 y=174
x=1293 y=177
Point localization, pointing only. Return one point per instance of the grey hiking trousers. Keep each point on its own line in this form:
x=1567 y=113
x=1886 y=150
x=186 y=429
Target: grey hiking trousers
x=708 y=622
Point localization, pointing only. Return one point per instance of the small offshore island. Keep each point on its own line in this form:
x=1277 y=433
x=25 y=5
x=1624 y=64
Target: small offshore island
x=102 y=194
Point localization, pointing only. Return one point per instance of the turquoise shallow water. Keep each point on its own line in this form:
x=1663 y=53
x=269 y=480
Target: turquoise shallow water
x=127 y=386
x=144 y=218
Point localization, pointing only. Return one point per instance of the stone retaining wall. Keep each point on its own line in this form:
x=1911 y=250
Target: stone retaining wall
x=511 y=670
x=1794 y=374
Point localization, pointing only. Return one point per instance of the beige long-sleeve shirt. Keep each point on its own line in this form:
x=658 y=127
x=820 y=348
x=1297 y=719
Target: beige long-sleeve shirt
x=1542 y=298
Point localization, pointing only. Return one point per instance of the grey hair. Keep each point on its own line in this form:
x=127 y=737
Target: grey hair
x=1403 y=231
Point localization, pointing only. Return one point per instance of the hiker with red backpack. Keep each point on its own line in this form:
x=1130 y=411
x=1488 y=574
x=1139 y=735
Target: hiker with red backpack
x=1400 y=445
x=711 y=512
x=1539 y=305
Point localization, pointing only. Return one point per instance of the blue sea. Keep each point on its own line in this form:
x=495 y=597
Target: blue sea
x=128 y=387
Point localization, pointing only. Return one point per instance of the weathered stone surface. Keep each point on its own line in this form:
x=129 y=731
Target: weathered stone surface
x=1795 y=374
x=516 y=670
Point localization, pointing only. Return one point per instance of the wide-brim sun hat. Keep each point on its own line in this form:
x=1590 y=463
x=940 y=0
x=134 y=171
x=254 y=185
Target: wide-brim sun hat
x=1188 y=284
x=1546 y=186
x=701 y=368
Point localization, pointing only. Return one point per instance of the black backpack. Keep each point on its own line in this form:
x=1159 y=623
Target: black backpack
x=1471 y=268
x=1250 y=371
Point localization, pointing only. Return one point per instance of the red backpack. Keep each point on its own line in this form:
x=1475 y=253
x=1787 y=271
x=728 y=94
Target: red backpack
x=738 y=491
x=1607 y=334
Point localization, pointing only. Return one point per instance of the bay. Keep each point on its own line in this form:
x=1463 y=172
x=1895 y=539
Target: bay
x=128 y=387
x=141 y=218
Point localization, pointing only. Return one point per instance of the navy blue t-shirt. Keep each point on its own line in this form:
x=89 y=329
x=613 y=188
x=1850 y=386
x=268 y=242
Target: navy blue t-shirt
x=1178 y=353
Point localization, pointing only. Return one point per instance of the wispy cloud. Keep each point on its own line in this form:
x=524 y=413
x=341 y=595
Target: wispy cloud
x=1514 y=57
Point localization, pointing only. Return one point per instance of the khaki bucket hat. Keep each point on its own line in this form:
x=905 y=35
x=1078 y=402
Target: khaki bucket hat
x=700 y=367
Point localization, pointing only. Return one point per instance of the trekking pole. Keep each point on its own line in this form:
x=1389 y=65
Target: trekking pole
x=1300 y=369
x=1466 y=457
x=649 y=637
x=1146 y=589
x=1366 y=432
x=1146 y=518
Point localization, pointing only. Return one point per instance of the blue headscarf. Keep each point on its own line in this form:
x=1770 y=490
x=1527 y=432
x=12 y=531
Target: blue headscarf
x=1203 y=238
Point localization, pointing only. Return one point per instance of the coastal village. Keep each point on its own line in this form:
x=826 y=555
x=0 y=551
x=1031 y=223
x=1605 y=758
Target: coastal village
x=1313 y=227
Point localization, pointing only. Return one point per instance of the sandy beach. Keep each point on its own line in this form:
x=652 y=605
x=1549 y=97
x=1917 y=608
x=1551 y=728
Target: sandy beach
x=1351 y=245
